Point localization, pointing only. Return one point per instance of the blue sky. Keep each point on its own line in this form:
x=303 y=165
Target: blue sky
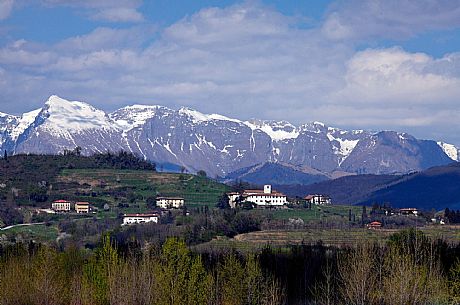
x=371 y=64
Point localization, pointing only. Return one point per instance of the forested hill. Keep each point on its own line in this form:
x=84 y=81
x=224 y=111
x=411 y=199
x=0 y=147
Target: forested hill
x=28 y=172
x=343 y=190
x=435 y=188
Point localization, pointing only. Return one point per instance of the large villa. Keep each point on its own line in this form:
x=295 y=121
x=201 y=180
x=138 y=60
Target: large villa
x=261 y=198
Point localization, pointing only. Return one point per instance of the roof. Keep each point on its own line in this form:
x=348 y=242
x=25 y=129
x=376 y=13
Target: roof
x=163 y=197
x=170 y=198
x=61 y=201
x=258 y=193
x=375 y=223
x=408 y=209
x=265 y=195
x=82 y=203
x=141 y=215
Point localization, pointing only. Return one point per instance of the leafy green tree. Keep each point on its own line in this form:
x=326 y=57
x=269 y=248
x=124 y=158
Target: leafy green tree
x=254 y=281
x=198 y=284
x=99 y=270
x=232 y=284
x=174 y=271
x=454 y=281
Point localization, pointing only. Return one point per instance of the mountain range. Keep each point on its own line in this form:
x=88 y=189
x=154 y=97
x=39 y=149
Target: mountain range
x=214 y=143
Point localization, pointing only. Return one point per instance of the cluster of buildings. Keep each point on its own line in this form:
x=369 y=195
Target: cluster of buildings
x=165 y=203
x=265 y=198
x=261 y=198
x=63 y=206
x=268 y=198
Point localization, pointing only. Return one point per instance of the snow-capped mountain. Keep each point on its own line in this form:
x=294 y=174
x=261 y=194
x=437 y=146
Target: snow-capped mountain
x=215 y=143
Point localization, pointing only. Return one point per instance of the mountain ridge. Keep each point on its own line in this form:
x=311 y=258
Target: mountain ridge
x=213 y=142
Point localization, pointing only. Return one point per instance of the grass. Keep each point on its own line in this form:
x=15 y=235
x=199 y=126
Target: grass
x=317 y=213
x=38 y=233
x=332 y=237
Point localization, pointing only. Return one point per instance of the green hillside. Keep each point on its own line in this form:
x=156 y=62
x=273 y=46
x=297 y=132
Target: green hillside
x=134 y=188
x=123 y=181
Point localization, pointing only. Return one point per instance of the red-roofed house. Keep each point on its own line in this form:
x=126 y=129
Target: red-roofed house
x=61 y=206
x=374 y=225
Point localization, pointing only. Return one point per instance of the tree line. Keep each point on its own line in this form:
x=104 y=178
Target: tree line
x=409 y=269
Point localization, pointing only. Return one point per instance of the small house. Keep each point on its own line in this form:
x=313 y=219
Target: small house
x=140 y=218
x=81 y=207
x=374 y=225
x=318 y=199
x=61 y=206
x=170 y=202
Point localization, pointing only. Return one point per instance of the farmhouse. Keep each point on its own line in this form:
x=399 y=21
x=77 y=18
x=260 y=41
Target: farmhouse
x=170 y=202
x=262 y=198
x=81 y=207
x=374 y=225
x=61 y=206
x=318 y=199
x=140 y=218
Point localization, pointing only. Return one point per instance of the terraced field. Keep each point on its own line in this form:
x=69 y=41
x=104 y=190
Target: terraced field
x=331 y=237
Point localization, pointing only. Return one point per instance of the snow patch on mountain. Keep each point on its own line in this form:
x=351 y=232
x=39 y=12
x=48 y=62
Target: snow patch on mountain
x=194 y=115
x=198 y=117
x=277 y=131
x=66 y=116
x=450 y=150
x=314 y=127
x=24 y=122
x=133 y=116
x=345 y=147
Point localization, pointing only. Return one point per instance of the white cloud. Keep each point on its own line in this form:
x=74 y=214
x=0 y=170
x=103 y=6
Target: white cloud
x=395 y=19
x=107 y=10
x=106 y=38
x=394 y=76
x=119 y=14
x=6 y=6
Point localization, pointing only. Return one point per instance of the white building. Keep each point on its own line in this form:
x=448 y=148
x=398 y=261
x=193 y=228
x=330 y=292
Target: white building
x=140 y=218
x=262 y=198
x=61 y=206
x=81 y=207
x=318 y=199
x=170 y=202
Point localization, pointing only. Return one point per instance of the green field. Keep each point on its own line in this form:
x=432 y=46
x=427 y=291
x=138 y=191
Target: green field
x=325 y=214
x=38 y=233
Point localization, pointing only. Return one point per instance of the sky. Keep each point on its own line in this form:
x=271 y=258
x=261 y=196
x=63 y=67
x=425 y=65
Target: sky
x=375 y=64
